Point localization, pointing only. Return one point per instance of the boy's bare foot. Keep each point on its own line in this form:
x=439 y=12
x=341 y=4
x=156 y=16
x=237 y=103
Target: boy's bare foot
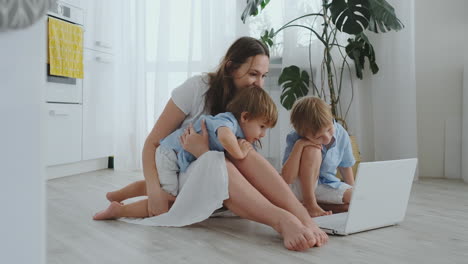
x=315 y=210
x=110 y=213
x=296 y=236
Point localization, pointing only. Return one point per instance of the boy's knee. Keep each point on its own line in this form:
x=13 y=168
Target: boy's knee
x=312 y=155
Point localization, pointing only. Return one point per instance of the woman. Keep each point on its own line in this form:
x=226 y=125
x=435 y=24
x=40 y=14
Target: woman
x=255 y=190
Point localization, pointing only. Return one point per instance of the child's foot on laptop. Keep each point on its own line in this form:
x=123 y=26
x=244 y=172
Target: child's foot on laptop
x=316 y=210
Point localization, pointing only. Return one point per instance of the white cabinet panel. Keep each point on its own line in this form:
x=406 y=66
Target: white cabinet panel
x=99 y=25
x=98 y=104
x=64 y=130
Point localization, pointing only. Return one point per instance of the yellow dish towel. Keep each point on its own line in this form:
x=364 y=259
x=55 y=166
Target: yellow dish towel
x=65 y=49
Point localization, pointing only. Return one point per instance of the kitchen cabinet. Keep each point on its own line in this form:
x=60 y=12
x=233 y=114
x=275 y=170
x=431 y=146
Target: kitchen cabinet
x=80 y=124
x=98 y=105
x=99 y=25
x=64 y=133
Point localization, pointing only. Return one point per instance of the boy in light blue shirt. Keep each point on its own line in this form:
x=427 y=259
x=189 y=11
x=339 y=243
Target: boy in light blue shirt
x=314 y=151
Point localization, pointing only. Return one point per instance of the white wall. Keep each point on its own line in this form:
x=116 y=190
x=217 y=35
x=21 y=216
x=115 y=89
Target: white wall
x=440 y=27
x=22 y=191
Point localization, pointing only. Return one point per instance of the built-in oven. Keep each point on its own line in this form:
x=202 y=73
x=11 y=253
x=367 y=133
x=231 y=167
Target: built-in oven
x=64 y=97
x=64 y=89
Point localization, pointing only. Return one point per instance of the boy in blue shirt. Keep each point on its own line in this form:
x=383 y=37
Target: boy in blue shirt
x=314 y=151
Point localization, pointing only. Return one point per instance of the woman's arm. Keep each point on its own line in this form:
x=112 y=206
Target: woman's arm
x=236 y=149
x=347 y=174
x=170 y=119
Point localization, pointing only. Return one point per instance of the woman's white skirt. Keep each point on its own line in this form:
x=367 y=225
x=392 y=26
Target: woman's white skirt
x=202 y=189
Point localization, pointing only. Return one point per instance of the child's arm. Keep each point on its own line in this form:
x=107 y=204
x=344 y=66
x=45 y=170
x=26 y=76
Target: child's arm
x=347 y=174
x=237 y=150
x=290 y=169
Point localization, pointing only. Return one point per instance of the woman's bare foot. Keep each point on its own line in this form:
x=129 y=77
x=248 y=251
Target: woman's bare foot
x=320 y=236
x=296 y=236
x=110 y=213
x=315 y=210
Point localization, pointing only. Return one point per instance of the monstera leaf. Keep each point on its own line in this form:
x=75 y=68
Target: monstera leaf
x=267 y=37
x=295 y=85
x=358 y=49
x=351 y=16
x=251 y=8
x=383 y=17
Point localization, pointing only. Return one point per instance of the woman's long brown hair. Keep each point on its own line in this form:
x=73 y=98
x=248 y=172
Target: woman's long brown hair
x=221 y=86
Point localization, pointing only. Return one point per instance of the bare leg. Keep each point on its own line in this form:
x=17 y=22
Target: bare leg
x=268 y=182
x=249 y=203
x=138 y=209
x=339 y=208
x=134 y=189
x=309 y=171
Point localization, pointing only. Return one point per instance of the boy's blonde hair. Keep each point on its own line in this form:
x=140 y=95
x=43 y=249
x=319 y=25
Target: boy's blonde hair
x=256 y=102
x=310 y=114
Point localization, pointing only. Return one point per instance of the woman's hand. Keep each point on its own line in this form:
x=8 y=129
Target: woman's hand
x=196 y=144
x=157 y=203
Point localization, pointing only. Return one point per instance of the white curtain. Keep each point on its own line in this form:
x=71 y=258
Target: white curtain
x=162 y=44
x=393 y=89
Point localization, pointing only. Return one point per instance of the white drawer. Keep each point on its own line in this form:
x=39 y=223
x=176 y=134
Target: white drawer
x=64 y=133
x=64 y=93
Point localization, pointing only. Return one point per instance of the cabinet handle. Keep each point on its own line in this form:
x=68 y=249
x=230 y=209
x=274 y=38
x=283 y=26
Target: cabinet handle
x=54 y=113
x=103 y=59
x=103 y=44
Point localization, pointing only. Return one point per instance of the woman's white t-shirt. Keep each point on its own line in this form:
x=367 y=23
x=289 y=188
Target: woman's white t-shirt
x=190 y=98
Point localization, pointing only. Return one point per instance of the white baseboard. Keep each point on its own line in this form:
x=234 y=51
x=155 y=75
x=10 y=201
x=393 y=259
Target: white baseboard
x=58 y=171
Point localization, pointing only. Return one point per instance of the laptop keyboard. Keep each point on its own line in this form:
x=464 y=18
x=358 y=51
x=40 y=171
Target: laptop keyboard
x=334 y=221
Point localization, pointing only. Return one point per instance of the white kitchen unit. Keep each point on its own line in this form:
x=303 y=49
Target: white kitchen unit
x=80 y=118
x=99 y=24
x=64 y=133
x=98 y=105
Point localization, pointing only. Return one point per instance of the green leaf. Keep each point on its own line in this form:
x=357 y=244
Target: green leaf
x=267 y=37
x=383 y=17
x=351 y=16
x=358 y=49
x=295 y=85
x=251 y=9
x=264 y=3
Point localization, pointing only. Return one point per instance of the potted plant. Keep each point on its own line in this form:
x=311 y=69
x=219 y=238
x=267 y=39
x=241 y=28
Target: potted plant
x=351 y=17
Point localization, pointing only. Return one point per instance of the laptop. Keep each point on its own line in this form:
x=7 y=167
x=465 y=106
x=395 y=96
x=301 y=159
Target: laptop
x=380 y=197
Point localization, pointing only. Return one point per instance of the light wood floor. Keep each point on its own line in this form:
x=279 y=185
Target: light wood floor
x=435 y=231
